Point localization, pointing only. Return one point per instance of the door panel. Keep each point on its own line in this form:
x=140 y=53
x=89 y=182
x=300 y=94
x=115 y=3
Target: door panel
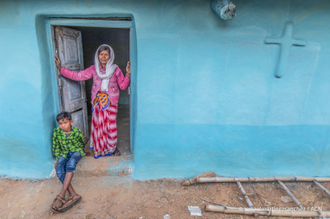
x=78 y=118
x=69 y=47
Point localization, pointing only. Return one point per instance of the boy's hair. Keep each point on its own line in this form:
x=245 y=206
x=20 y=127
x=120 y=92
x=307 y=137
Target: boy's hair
x=63 y=115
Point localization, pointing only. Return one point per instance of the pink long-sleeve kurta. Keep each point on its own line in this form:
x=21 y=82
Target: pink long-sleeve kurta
x=116 y=79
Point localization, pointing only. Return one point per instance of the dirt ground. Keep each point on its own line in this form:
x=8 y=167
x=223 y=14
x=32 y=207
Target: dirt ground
x=122 y=197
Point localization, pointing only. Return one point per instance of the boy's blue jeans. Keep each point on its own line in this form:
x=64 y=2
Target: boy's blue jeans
x=68 y=164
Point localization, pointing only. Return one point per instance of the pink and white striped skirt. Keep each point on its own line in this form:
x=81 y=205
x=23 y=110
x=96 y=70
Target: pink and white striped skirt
x=103 y=130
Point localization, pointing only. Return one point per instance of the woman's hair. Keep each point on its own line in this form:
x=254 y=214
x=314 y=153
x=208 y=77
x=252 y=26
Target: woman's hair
x=63 y=115
x=102 y=48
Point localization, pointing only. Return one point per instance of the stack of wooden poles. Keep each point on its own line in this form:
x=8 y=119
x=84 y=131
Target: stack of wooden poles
x=209 y=177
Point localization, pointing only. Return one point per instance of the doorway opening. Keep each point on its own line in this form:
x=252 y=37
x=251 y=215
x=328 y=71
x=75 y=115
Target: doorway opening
x=91 y=39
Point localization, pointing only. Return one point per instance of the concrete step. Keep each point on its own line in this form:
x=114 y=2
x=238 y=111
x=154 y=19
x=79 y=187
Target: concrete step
x=108 y=167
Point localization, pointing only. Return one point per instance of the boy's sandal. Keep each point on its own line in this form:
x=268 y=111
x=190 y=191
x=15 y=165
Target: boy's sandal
x=54 y=211
x=55 y=206
x=69 y=203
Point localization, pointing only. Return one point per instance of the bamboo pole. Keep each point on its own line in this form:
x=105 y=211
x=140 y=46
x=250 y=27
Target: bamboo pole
x=262 y=179
x=321 y=187
x=265 y=212
x=191 y=181
x=244 y=194
x=291 y=195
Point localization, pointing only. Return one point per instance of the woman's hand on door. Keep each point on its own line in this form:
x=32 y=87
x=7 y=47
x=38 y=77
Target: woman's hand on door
x=128 y=69
x=58 y=62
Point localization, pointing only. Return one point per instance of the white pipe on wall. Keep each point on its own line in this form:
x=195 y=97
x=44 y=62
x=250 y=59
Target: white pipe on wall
x=225 y=9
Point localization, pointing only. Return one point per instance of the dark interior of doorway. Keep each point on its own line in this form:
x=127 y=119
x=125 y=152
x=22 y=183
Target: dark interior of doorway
x=118 y=39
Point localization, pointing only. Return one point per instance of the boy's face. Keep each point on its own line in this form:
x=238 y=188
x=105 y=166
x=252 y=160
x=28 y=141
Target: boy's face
x=65 y=125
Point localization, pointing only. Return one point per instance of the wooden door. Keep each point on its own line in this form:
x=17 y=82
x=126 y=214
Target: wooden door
x=73 y=93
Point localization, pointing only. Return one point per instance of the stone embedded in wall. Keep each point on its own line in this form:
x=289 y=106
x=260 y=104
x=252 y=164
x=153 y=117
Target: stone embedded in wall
x=285 y=42
x=224 y=9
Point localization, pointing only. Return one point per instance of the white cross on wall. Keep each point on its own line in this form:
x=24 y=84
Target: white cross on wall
x=285 y=42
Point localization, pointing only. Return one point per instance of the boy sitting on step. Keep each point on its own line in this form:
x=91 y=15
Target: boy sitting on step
x=68 y=148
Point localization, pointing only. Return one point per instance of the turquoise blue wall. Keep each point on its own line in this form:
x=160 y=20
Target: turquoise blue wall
x=207 y=98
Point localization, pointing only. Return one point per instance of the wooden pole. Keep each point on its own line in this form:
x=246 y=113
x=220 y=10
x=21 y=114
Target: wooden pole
x=265 y=212
x=244 y=194
x=291 y=195
x=262 y=179
x=321 y=187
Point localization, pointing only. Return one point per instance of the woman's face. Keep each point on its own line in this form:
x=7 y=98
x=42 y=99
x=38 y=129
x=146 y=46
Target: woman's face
x=104 y=57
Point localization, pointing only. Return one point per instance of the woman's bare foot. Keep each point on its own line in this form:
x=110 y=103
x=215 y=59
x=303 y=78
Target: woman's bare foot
x=117 y=153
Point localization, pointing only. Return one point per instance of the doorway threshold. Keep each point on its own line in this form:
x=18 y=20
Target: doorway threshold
x=106 y=167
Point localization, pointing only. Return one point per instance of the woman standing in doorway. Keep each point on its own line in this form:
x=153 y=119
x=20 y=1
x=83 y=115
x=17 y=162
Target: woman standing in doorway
x=105 y=95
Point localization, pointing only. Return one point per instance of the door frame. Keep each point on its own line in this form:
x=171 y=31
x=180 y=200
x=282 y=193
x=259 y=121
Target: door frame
x=71 y=21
